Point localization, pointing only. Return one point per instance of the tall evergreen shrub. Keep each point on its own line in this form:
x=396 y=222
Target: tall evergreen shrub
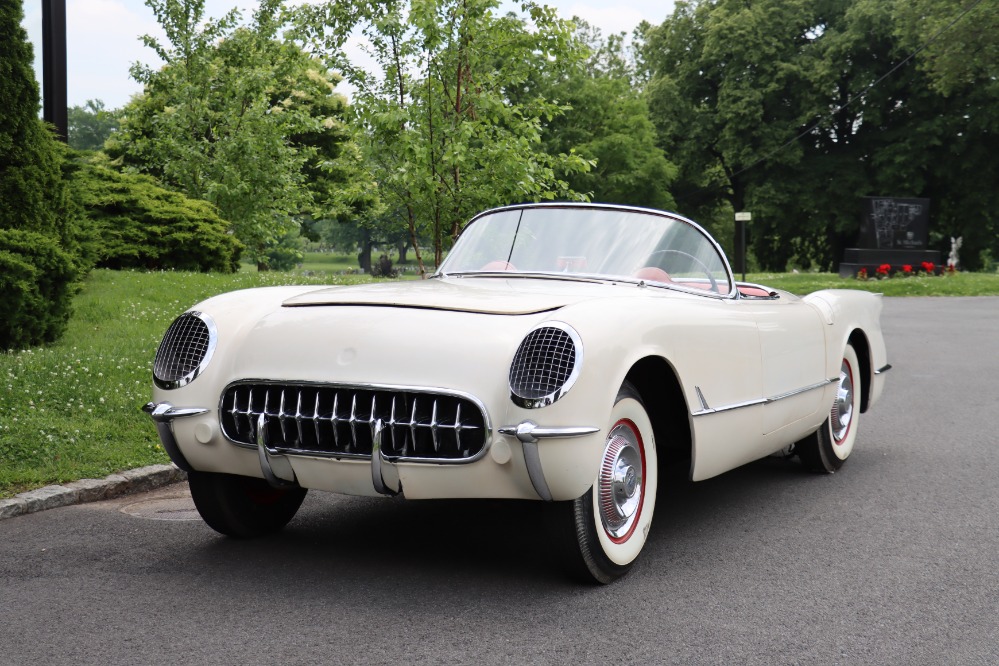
x=37 y=234
x=136 y=223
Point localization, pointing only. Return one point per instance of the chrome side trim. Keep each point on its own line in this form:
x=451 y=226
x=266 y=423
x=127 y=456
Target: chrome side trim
x=705 y=410
x=163 y=415
x=534 y=471
x=267 y=463
x=881 y=371
x=530 y=432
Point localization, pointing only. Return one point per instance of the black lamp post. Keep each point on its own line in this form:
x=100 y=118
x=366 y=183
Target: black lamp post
x=54 y=95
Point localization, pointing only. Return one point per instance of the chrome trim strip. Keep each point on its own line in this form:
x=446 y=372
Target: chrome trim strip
x=266 y=464
x=164 y=412
x=428 y=390
x=705 y=410
x=530 y=432
x=881 y=371
x=534 y=471
x=163 y=415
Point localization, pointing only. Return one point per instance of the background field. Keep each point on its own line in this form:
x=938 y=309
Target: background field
x=72 y=410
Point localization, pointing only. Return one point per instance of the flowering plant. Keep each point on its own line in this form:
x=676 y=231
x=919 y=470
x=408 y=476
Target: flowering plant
x=884 y=270
x=907 y=269
x=929 y=267
x=862 y=274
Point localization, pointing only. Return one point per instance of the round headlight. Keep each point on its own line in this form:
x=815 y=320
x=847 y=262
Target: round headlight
x=546 y=365
x=185 y=351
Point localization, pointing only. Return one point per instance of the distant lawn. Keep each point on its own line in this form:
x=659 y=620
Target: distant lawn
x=71 y=410
x=959 y=284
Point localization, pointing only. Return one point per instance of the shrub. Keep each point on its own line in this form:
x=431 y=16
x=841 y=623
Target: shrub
x=36 y=286
x=140 y=224
x=39 y=237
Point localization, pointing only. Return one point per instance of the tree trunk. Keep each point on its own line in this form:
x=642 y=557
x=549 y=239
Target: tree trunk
x=364 y=257
x=403 y=248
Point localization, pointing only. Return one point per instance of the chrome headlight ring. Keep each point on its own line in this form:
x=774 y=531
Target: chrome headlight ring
x=546 y=365
x=185 y=351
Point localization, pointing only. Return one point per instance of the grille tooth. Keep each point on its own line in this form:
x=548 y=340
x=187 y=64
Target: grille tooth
x=544 y=365
x=185 y=350
x=419 y=425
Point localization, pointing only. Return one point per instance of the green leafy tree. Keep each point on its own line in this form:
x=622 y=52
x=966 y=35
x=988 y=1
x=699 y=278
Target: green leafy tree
x=441 y=133
x=90 y=125
x=605 y=120
x=232 y=118
x=39 y=234
x=964 y=49
x=797 y=110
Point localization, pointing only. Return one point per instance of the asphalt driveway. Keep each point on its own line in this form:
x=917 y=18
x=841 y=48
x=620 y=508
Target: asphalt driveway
x=893 y=560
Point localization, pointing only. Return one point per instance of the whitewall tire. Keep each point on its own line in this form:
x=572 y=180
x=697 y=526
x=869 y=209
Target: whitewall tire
x=610 y=522
x=827 y=449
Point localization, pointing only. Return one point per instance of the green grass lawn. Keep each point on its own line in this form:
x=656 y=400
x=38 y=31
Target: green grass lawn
x=72 y=410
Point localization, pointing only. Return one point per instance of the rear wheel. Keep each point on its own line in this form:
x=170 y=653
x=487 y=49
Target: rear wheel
x=608 y=525
x=825 y=450
x=243 y=506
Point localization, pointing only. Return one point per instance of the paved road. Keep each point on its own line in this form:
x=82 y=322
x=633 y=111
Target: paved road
x=893 y=560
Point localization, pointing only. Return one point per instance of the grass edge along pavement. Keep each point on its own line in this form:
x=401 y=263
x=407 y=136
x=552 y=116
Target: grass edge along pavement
x=91 y=490
x=71 y=411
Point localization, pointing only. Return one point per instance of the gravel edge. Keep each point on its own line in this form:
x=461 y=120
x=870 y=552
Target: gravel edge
x=91 y=490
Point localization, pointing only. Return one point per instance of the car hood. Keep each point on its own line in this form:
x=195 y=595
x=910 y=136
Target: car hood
x=484 y=296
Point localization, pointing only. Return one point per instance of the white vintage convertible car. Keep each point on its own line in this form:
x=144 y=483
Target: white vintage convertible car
x=567 y=353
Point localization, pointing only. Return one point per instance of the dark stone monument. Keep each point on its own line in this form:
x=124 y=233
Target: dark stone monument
x=893 y=231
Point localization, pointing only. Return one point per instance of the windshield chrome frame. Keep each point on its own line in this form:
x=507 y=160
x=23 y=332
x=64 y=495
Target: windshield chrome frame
x=590 y=277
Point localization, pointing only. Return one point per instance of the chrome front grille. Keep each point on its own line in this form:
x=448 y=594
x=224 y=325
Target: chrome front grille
x=545 y=365
x=339 y=421
x=185 y=350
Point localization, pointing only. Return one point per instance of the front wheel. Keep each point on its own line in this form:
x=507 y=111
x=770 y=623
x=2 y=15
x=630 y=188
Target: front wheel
x=825 y=450
x=608 y=524
x=243 y=506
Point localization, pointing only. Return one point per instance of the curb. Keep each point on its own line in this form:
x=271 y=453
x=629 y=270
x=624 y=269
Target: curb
x=91 y=490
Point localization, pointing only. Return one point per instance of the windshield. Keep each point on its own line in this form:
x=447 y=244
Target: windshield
x=594 y=242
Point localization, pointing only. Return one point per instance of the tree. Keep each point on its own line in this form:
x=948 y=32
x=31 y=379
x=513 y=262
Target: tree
x=605 y=120
x=797 y=110
x=964 y=49
x=233 y=118
x=89 y=126
x=441 y=133
x=38 y=231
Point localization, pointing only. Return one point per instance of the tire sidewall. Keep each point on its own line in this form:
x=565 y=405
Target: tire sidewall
x=840 y=451
x=605 y=558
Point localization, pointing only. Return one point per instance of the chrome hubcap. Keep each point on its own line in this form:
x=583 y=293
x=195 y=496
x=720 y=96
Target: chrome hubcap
x=620 y=481
x=842 y=410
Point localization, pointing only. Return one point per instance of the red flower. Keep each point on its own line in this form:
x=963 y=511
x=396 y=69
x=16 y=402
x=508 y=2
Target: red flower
x=884 y=269
x=929 y=267
x=862 y=274
x=907 y=268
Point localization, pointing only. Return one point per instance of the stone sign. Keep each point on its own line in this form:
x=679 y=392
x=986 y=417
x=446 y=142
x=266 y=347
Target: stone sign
x=890 y=223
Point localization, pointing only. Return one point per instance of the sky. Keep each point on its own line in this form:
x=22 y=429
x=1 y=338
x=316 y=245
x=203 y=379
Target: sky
x=102 y=36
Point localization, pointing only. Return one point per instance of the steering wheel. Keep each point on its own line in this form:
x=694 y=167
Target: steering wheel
x=695 y=260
